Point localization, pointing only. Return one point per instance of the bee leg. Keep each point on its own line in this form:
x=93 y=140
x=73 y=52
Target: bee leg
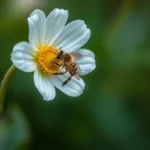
x=56 y=63
x=66 y=81
x=60 y=73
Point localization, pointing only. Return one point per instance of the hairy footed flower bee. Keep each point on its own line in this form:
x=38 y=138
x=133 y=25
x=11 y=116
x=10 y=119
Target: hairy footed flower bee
x=68 y=61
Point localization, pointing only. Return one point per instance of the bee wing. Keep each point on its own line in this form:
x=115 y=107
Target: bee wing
x=77 y=76
x=78 y=73
x=77 y=56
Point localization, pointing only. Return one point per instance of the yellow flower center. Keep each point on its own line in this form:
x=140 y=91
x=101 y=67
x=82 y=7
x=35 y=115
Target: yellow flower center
x=45 y=57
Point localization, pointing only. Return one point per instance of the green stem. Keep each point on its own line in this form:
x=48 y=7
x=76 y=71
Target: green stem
x=4 y=85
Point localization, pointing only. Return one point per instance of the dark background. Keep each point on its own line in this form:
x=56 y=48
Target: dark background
x=113 y=113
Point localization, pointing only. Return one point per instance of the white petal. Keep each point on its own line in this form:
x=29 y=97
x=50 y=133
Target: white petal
x=87 y=63
x=73 y=88
x=73 y=37
x=37 y=26
x=44 y=86
x=55 y=23
x=22 y=57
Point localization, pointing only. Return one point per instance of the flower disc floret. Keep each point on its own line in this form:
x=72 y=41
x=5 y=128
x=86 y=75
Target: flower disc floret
x=45 y=57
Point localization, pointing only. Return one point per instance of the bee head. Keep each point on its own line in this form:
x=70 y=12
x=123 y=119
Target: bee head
x=60 y=55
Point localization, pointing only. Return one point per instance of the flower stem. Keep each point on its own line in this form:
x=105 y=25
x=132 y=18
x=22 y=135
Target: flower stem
x=4 y=85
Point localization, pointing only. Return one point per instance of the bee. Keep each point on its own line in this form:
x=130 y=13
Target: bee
x=68 y=61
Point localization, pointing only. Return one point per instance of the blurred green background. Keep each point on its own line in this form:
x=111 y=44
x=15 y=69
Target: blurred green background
x=113 y=113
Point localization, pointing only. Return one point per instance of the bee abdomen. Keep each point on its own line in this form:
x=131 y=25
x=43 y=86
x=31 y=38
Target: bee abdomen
x=73 y=65
x=75 y=69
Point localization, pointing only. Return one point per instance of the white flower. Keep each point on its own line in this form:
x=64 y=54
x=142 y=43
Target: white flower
x=46 y=37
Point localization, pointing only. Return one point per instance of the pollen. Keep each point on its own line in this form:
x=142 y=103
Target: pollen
x=45 y=57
